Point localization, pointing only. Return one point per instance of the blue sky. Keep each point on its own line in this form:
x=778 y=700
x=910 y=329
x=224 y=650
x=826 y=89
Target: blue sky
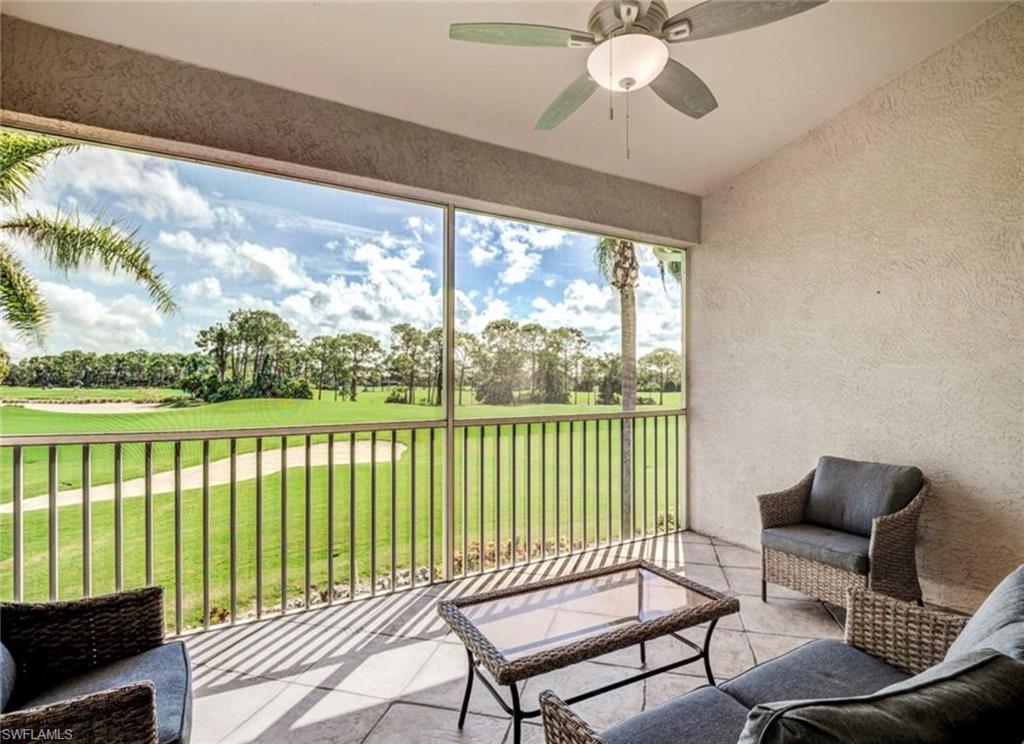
x=327 y=260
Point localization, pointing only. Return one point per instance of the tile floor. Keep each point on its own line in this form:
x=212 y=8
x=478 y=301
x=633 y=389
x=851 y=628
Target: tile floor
x=387 y=670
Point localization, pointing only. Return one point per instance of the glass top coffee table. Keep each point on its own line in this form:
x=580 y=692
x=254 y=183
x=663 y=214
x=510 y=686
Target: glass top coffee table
x=524 y=631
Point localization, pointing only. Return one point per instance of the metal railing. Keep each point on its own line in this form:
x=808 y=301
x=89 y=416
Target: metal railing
x=244 y=523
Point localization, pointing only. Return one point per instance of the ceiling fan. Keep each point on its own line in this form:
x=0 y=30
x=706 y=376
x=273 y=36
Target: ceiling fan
x=629 y=47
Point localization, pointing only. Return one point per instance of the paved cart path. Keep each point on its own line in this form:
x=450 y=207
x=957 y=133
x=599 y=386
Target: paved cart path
x=220 y=473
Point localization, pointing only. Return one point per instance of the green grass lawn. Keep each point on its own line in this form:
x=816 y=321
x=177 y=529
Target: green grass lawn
x=471 y=501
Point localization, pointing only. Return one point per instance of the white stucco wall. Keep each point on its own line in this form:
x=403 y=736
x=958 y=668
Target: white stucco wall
x=861 y=293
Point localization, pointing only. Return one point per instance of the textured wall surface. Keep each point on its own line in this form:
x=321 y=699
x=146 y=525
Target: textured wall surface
x=861 y=293
x=54 y=74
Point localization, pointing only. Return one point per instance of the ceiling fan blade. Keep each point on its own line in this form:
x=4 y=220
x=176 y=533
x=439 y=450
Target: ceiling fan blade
x=719 y=17
x=680 y=88
x=568 y=101
x=520 y=34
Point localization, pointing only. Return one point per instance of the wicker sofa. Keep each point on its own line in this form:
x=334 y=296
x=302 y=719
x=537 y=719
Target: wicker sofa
x=847 y=524
x=97 y=669
x=903 y=674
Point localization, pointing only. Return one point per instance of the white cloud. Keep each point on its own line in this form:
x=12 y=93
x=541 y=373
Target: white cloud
x=481 y=254
x=391 y=286
x=275 y=264
x=519 y=245
x=81 y=320
x=520 y=263
x=469 y=318
x=205 y=289
x=150 y=187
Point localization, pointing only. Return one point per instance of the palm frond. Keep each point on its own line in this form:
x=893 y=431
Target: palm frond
x=675 y=268
x=604 y=257
x=22 y=305
x=66 y=243
x=21 y=156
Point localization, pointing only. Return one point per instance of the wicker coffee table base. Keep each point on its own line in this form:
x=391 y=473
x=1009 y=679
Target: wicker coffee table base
x=514 y=707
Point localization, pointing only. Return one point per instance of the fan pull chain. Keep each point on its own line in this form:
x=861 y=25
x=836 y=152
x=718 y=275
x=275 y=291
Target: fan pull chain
x=611 y=91
x=627 y=123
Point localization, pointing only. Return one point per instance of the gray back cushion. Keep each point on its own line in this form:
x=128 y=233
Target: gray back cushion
x=998 y=623
x=847 y=494
x=8 y=673
x=952 y=702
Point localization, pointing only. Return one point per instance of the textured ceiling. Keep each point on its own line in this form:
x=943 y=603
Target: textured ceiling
x=772 y=83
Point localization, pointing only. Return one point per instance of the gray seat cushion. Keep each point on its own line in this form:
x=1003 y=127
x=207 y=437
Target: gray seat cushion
x=819 y=669
x=167 y=667
x=840 y=549
x=998 y=623
x=8 y=674
x=976 y=697
x=706 y=715
x=847 y=495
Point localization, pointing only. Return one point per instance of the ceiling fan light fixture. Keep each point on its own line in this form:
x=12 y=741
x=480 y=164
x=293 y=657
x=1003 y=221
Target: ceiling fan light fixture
x=627 y=62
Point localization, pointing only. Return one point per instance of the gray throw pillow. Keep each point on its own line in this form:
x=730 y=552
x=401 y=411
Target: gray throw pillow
x=976 y=697
x=998 y=623
x=8 y=674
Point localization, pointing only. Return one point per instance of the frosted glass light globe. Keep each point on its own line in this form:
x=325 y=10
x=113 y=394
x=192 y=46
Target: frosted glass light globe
x=627 y=62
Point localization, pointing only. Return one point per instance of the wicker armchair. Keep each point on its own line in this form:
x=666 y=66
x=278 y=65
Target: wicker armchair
x=889 y=564
x=905 y=636
x=65 y=653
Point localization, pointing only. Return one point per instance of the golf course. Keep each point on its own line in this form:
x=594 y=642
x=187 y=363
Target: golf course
x=395 y=515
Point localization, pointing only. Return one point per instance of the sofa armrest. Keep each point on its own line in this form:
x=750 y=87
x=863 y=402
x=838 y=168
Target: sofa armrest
x=56 y=640
x=562 y=726
x=123 y=715
x=892 y=554
x=906 y=636
x=786 y=507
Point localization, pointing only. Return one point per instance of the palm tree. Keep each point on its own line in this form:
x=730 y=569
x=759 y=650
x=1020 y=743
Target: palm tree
x=616 y=261
x=64 y=241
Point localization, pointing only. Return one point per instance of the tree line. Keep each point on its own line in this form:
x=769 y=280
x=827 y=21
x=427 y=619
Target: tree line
x=258 y=354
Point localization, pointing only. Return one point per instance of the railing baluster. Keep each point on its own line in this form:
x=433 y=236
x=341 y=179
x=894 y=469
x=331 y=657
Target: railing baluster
x=529 y=492
x=284 y=524
x=233 y=529
x=148 y=495
x=666 y=474
x=634 y=425
x=330 y=519
x=373 y=512
x=515 y=526
x=543 y=491
x=259 y=527
x=643 y=474
x=583 y=473
x=86 y=522
x=179 y=606
x=597 y=483
x=206 y=533
x=412 y=507
x=352 y=516
x=497 y=497
x=308 y=522
x=480 y=510
x=17 y=524
x=465 y=501
x=118 y=519
x=679 y=453
x=394 y=510
x=611 y=489
x=53 y=483
x=433 y=506
x=572 y=494
x=558 y=488
x=654 y=474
